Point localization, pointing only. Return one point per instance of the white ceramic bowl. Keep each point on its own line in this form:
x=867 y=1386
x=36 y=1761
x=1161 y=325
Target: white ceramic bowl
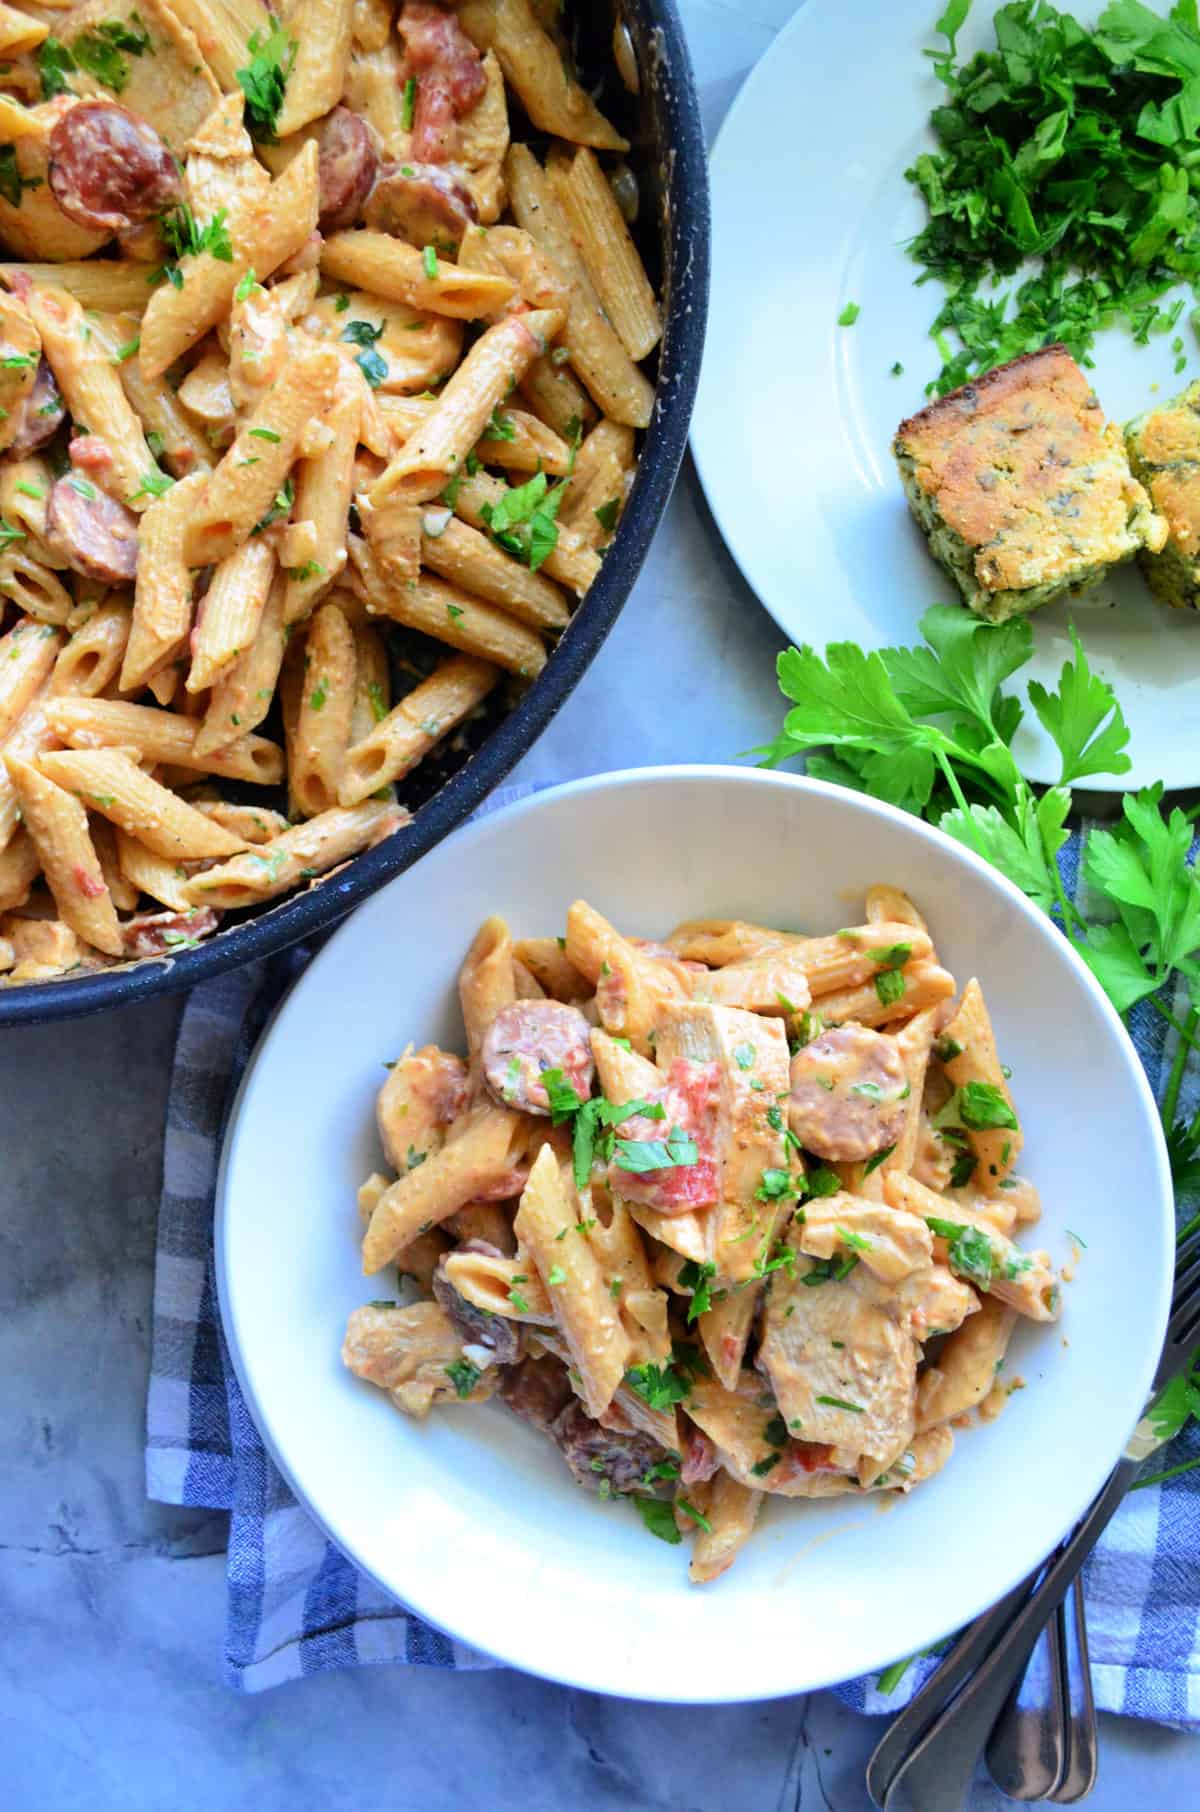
x=470 y=1517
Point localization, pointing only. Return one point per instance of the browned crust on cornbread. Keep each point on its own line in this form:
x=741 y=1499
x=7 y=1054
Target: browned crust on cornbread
x=1022 y=467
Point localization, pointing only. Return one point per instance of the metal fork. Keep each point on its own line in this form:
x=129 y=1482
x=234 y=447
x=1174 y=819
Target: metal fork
x=1044 y=1742
x=926 y=1761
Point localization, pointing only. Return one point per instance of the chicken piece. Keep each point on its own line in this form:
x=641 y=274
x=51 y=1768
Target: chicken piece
x=842 y=1365
x=415 y=1355
x=890 y=1242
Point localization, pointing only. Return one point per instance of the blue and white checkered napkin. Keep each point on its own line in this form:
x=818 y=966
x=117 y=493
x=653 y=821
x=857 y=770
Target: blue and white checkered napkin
x=297 y=1606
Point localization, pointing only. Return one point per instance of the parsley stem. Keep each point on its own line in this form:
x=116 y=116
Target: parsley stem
x=1190 y=1228
x=1187 y=1042
x=1160 y=1478
x=959 y=796
x=1067 y=907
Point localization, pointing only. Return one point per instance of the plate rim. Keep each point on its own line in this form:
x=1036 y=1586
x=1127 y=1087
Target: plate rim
x=579 y=1672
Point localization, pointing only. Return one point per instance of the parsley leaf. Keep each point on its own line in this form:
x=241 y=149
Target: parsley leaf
x=463 y=1376
x=660 y=1386
x=659 y=1518
x=264 y=81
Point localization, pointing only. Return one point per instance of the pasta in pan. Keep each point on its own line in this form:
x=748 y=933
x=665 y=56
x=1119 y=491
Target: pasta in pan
x=319 y=402
x=725 y=1216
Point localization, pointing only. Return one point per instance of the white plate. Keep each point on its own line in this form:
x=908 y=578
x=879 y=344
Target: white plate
x=794 y=421
x=471 y=1517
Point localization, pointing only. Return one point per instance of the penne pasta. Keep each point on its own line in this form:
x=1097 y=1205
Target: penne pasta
x=406 y=734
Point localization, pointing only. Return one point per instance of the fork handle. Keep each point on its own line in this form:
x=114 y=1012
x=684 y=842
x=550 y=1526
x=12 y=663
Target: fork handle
x=1027 y=1750
x=1082 y=1747
x=937 y=1775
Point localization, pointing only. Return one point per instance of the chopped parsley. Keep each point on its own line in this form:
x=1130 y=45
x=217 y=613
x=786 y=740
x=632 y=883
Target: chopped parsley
x=642 y=1155
x=319 y=694
x=970 y=1250
x=281 y=503
x=879 y=1158
x=12 y=183
x=154 y=484
x=698 y=1278
x=659 y=1518
x=264 y=81
x=982 y=1108
x=98 y=50
x=1069 y=147
x=607 y=514
x=849 y=315
x=889 y=986
x=373 y=366
x=184 y=238
x=556 y=1275
x=361 y=333
x=500 y=427
x=55 y=63
x=463 y=1376
x=891 y=956
x=659 y=1386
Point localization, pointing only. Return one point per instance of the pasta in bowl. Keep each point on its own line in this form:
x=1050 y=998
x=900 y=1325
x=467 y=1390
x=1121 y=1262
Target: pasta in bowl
x=324 y=394
x=771 y=1254
x=469 y=1514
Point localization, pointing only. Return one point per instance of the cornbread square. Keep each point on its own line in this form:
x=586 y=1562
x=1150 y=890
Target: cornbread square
x=1022 y=487
x=1164 y=451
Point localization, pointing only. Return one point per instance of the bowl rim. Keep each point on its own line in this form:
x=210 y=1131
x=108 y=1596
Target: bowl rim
x=685 y=230
x=578 y=1675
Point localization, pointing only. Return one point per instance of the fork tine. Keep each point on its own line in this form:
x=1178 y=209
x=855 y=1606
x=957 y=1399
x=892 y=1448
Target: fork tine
x=1187 y=1271
x=1183 y=1329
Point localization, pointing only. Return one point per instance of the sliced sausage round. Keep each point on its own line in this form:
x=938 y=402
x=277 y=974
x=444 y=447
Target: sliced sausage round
x=528 y=1038
x=346 y=166
x=422 y=203
x=598 y=1455
x=41 y=413
x=495 y=1332
x=109 y=170
x=94 y=534
x=167 y=933
x=848 y=1094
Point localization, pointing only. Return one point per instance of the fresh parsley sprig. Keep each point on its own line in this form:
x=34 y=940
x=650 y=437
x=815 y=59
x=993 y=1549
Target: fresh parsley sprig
x=930 y=729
